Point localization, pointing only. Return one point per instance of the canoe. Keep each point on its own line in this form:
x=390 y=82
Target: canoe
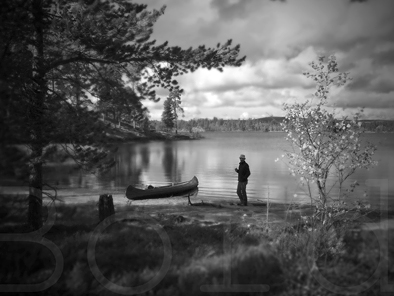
x=161 y=191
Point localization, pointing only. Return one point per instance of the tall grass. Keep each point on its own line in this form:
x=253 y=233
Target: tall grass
x=289 y=258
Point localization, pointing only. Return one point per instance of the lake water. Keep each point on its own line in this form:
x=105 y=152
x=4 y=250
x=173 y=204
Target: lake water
x=213 y=160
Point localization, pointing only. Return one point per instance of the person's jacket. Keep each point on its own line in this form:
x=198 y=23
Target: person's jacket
x=243 y=172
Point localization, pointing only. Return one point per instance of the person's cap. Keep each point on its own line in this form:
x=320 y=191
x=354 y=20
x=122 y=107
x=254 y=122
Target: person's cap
x=242 y=156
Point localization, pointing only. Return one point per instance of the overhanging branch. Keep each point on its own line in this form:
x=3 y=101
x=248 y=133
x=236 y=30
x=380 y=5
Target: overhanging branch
x=78 y=59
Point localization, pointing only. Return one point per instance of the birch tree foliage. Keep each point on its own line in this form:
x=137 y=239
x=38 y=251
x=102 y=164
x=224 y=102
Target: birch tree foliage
x=324 y=146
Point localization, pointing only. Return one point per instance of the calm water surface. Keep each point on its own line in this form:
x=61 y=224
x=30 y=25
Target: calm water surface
x=213 y=160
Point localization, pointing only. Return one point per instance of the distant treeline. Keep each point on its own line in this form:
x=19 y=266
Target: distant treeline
x=266 y=124
x=223 y=125
x=379 y=126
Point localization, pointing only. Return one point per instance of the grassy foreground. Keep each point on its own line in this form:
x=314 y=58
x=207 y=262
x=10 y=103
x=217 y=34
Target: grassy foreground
x=154 y=251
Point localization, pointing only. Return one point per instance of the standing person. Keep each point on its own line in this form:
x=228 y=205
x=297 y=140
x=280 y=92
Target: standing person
x=243 y=174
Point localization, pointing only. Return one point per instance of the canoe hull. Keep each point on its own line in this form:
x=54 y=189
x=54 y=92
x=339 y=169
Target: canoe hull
x=163 y=191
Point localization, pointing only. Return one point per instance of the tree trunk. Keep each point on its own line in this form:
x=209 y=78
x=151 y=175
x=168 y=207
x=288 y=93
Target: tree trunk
x=35 y=196
x=105 y=206
x=36 y=122
x=322 y=193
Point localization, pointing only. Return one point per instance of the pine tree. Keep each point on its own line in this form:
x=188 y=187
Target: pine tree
x=167 y=116
x=55 y=52
x=175 y=98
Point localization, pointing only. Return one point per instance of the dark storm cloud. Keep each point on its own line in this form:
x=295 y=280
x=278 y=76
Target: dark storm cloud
x=279 y=40
x=347 y=66
x=330 y=44
x=384 y=58
x=362 y=100
x=383 y=87
x=260 y=26
x=209 y=30
x=361 y=82
x=371 y=84
x=229 y=11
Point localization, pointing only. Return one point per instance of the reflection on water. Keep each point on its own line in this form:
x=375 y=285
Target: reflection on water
x=213 y=160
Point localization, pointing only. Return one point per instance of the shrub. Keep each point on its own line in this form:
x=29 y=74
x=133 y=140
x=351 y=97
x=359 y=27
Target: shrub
x=323 y=145
x=255 y=265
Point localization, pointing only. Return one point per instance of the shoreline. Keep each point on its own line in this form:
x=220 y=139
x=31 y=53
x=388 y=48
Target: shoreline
x=202 y=210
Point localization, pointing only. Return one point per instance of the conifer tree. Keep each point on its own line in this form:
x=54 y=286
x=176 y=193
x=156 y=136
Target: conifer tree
x=175 y=97
x=52 y=53
x=168 y=116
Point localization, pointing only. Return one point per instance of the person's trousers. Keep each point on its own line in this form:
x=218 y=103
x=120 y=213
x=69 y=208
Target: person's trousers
x=241 y=191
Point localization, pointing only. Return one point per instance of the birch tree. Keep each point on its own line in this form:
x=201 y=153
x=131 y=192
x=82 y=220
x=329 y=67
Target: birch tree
x=325 y=146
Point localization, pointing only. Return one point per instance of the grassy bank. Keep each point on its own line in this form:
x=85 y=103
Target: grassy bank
x=167 y=253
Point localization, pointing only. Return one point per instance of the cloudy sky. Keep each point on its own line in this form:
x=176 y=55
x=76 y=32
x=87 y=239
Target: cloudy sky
x=280 y=39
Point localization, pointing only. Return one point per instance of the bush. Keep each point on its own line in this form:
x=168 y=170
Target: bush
x=255 y=265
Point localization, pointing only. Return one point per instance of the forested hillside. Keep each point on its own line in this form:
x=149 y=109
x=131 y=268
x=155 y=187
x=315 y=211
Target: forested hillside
x=266 y=124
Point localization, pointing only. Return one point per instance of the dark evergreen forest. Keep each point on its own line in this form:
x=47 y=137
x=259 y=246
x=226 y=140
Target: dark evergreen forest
x=266 y=124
